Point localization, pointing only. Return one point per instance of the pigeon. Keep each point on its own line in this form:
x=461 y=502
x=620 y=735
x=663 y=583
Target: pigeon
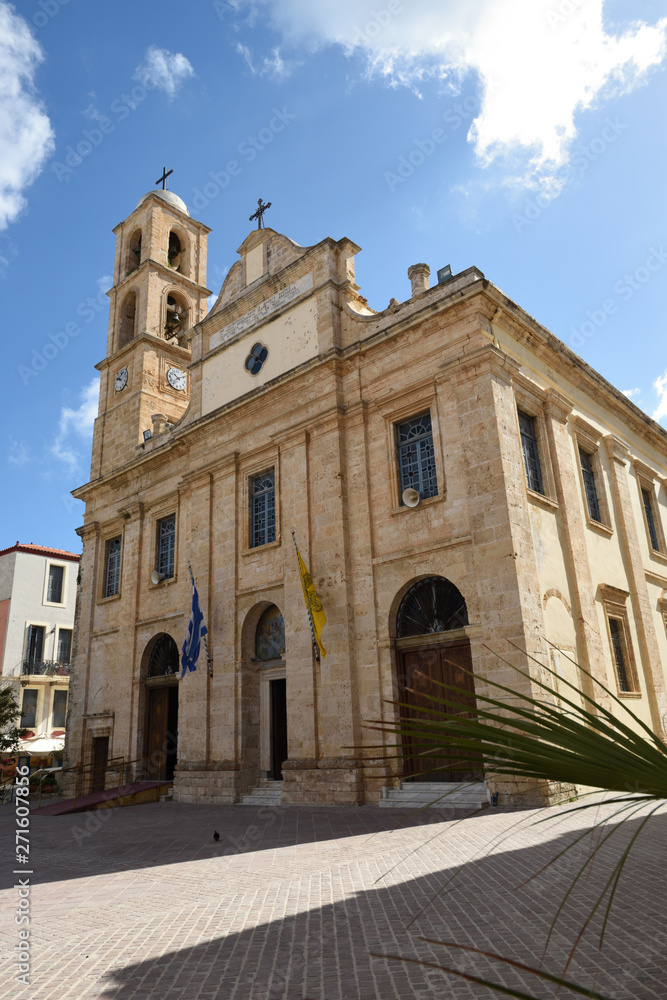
x=216 y=835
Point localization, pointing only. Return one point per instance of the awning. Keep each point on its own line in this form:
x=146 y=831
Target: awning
x=42 y=745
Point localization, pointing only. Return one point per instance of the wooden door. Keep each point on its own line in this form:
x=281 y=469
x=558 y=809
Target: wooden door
x=421 y=673
x=161 y=733
x=100 y=761
x=278 y=727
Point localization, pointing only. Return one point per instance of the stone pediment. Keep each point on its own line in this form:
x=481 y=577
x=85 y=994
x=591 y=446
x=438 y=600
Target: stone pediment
x=263 y=253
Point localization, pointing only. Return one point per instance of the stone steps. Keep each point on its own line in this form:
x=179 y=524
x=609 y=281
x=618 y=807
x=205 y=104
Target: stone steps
x=267 y=793
x=436 y=795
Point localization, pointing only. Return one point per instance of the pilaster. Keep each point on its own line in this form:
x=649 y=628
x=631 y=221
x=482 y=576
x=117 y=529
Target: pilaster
x=649 y=653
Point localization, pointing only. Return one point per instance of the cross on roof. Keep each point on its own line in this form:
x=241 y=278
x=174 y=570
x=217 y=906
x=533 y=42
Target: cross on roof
x=261 y=209
x=163 y=179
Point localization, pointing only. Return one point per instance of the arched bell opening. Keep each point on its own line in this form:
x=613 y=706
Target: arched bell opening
x=133 y=254
x=177 y=318
x=433 y=662
x=127 y=324
x=178 y=252
x=160 y=667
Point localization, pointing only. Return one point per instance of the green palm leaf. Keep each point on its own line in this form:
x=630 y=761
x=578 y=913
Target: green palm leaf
x=551 y=738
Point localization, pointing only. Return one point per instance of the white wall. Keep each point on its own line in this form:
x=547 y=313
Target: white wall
x=29 y=607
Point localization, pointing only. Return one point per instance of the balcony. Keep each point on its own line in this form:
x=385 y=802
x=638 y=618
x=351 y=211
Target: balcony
x=50 y=668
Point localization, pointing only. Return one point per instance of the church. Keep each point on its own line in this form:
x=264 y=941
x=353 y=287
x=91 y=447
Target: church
x=461 y=486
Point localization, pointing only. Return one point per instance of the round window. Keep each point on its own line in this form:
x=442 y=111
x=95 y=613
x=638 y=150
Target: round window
x=256 y=359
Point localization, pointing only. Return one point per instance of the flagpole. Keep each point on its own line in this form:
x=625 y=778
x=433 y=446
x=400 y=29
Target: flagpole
x=209 y=661
x=310 y=620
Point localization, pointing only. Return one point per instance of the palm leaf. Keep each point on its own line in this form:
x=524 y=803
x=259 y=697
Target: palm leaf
x=577 y=742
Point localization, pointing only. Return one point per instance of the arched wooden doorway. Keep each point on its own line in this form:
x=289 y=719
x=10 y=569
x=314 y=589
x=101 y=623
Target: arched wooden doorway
x=161 y=707
x=432 y=649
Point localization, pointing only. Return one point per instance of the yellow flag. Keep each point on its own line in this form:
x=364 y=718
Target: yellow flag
x=313 y=603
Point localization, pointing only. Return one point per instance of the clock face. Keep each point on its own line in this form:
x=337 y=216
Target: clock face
x=177 y=379
x=120 y=380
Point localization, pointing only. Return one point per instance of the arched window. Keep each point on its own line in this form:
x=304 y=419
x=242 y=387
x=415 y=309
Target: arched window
x=270 y=635
x=133 y=259
x=431 y=605
x=164 y=657
x=177 y=319
x=127 y=319
x=176 y=253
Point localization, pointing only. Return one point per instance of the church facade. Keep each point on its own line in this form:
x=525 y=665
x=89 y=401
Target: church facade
x=464 y=489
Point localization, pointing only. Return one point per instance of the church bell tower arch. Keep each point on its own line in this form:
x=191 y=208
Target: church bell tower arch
x=159 y=294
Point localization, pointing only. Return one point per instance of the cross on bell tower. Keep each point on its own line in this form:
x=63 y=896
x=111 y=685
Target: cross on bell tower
x=163 y=180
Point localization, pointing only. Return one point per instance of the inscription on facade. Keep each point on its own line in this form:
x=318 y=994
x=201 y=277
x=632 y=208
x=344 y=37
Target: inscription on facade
x=260 y=312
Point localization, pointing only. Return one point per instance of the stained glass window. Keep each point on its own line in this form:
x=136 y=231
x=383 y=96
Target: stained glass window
x=263 y=509
x=416 y=456
x=256 y=359
x=531 y=458
x=270 y=635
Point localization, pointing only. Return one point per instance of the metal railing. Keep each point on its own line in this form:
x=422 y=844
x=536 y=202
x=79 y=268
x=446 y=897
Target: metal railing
x=80 y=775
x=119 y=764
x=58 y=668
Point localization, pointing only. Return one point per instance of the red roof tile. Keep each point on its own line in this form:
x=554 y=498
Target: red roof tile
x=41 y=550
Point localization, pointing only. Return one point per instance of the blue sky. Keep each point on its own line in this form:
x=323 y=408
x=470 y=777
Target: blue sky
x=522 y=136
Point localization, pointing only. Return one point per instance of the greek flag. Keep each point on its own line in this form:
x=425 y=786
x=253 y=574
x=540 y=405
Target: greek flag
x=196 y=631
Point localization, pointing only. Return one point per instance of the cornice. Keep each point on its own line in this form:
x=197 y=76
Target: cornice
x=180 y=354
x=486 y=359
x=150 y=262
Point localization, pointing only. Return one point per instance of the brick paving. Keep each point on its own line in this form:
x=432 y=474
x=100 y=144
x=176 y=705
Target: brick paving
x=143 y=904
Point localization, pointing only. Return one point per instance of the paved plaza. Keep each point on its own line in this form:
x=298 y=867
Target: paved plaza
x=290 y=903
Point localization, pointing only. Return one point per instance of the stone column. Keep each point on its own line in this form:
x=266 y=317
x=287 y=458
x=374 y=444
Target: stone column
x=649 y=652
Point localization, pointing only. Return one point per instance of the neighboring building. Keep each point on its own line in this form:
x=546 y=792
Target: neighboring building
x=37 y=596
x=540 y=504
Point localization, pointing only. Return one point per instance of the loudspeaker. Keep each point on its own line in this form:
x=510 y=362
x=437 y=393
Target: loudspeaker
x=157 y=577
x=410 y=497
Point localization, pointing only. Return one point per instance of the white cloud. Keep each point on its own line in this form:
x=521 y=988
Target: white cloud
x=660 y=388
x=631 y=393
x=26 y=136
x=18 y=452
x=76 y=426
x=537 y=70
x=164 y=69
x=273 y=66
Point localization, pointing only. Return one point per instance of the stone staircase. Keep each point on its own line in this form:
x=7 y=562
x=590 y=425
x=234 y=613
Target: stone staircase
x=435 y=794
x=266 y=793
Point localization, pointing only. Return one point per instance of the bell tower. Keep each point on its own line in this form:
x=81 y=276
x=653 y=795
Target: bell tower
x=159 y=293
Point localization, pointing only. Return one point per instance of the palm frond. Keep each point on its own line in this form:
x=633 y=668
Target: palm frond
x=575 y=740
